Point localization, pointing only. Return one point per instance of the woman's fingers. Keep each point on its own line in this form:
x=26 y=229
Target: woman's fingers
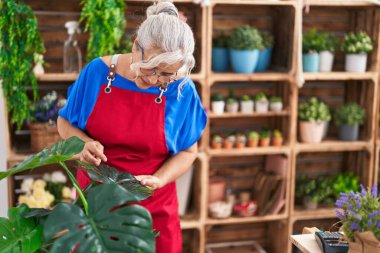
x=90 y=158
x=97 y=150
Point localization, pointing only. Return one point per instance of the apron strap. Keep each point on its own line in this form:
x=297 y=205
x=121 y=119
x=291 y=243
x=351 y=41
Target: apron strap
x=112 y=72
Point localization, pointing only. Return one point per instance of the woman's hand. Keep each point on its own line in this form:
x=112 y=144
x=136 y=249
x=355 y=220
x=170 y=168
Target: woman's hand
x=152 y=182
x=92 y=153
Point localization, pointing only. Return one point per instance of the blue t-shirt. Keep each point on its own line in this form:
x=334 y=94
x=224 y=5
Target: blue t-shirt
x=185 y=117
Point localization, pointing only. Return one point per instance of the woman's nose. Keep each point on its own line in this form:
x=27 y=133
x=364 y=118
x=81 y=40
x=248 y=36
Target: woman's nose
x=153 y=79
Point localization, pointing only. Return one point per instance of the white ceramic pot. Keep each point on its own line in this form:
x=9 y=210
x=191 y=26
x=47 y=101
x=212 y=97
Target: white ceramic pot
x=247 y=106
x=217 y=107
x=232 y=107
x=326 y=61
x=262 y=106
x=276 y=107
x=311 y=132
x=356 y=63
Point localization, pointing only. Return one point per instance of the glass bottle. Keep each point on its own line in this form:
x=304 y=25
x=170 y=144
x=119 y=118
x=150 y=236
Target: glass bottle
x=72 y=57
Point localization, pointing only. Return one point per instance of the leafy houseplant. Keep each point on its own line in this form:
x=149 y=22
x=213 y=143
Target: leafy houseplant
x=245 y=42
x=105 y=20
x=312 y=42
x=312 y=115
x=275 y=104
x=253 y=139
x=97 y=223
x=220 y=58
x=265 y=52
x=344 y=183
x=348 y=117
x=217 y=103
x=246 y=104
x=356 y=46
x=20 y=40
x=328 y=47
x=261 y=102
x=312 y=190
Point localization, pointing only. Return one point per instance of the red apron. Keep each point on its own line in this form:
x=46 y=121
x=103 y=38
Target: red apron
x=130 y=125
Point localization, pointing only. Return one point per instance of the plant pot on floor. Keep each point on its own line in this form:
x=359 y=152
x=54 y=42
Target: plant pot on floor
x=310 y=62
x=220 y=59
x=264 y=60
x=244 y=61
x=311 y=132
x=326 y=61
x=217 y=107
x=356 y=63
x=349 y=133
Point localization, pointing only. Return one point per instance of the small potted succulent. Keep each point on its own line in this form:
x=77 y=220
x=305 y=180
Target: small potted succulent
x=275 y=104
x=311 y=46
x=244 y=44
x=217 y=103
x=232 y=105
x=312 y=115
x=241 y=140
x=253 y=139
x=229 y=141
x=277 y=139
x=356 y=46
x=348 y=118
x=265 y=138
x=216 y=142
x=220 y=57
x=265 y=52
x=246 y=104
x=261 y=102
x=328 y=47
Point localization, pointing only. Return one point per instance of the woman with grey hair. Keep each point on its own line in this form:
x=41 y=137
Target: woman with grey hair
x=136 y=113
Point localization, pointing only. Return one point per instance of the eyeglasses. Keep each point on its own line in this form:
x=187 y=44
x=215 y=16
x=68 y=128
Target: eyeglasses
x=161 y=78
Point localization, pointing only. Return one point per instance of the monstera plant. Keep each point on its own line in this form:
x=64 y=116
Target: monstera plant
x=105 y=218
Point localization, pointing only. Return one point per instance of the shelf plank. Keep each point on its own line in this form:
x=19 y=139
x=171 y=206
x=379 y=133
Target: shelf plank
x=340 y=76
x=233 y=77
x=239 y=220
x=248 y=115
x=338 y=3
x=189 y=224
x=249 y=151
x=256 y=2
x=320 y=213
x=333 y=145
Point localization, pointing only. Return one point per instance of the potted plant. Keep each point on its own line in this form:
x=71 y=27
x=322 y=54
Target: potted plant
x=312 y=115
x=275 y=104
x=344 y=183
x=311 y=46
x=241 y=140
x=312 y=191
x=246 y=104
x=229 y=141
x=329 y=44
x=360 y=217
x=261 y=102
x=253 y=139
x=348 y=117
x=216 y=142
x=220 y=57
x=265 y=52
x=244 y=44
x=232 y=105
x=277 y=139
x=44 y=230
x=356 y=46
x=217 y=103
x=20 y=41
x=265 y=138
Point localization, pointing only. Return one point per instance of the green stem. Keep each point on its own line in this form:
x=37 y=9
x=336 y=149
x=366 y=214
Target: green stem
x=76 y=185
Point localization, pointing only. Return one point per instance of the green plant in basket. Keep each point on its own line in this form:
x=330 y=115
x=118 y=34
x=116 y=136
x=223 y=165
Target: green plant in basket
x=313 y=110
x=268 y=40
x=312 y=41
x=220 y=41
x=245 y=38
x=350 y=114
x=356 y=43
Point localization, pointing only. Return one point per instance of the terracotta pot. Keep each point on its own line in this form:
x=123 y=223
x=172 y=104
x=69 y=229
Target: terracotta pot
x=277 y=142
x=216 y=145
x=240 y=145
x=264 y=142
x=228 y=145
x=216 y=189
x=252 y=143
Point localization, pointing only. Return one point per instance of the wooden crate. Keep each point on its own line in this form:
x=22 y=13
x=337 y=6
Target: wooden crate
x=191 y=241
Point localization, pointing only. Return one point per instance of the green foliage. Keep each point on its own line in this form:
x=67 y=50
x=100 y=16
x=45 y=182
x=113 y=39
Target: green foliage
x=19 y=234
x=217 y=97
x=231 y=100
x=19 y=41
x=274 y=99
x=317 y=189
x=351 y=114
x=344 y=182
x=356 y=43
x=245 y=38
x=312 y=41
x=261 y=97
x=264 y=134
x=254 y=135
x=106 y=22
x=246 y=98
x=329 y=42
x=277 y=134
x=221 y=41
x=126 y=45
x=313 y=110
x=268 y=40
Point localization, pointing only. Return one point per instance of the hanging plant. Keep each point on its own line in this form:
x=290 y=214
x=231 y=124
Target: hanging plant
x=105 y=21
x=20 y=40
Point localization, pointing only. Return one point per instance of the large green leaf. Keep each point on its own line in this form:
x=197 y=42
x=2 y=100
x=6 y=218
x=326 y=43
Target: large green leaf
x=19 y=234
x=59 y=152
x=107 y=174
x=110 y=227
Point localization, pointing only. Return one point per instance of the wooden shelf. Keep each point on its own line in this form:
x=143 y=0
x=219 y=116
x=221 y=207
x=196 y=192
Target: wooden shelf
x=248 y=151
x=248 y=115
x=321 y=213
x=189 y=224
x=344 y=3
x=238 y=220
x=333 y=145
x=256 y=2
x=260 y=77
x=340 y=76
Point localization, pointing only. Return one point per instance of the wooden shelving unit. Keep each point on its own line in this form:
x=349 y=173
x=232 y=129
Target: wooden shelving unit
x=278 y=17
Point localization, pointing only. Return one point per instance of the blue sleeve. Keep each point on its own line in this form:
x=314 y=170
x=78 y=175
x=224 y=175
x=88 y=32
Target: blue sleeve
x=82 y=95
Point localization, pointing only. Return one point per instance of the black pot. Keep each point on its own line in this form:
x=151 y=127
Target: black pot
x=349 y=133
